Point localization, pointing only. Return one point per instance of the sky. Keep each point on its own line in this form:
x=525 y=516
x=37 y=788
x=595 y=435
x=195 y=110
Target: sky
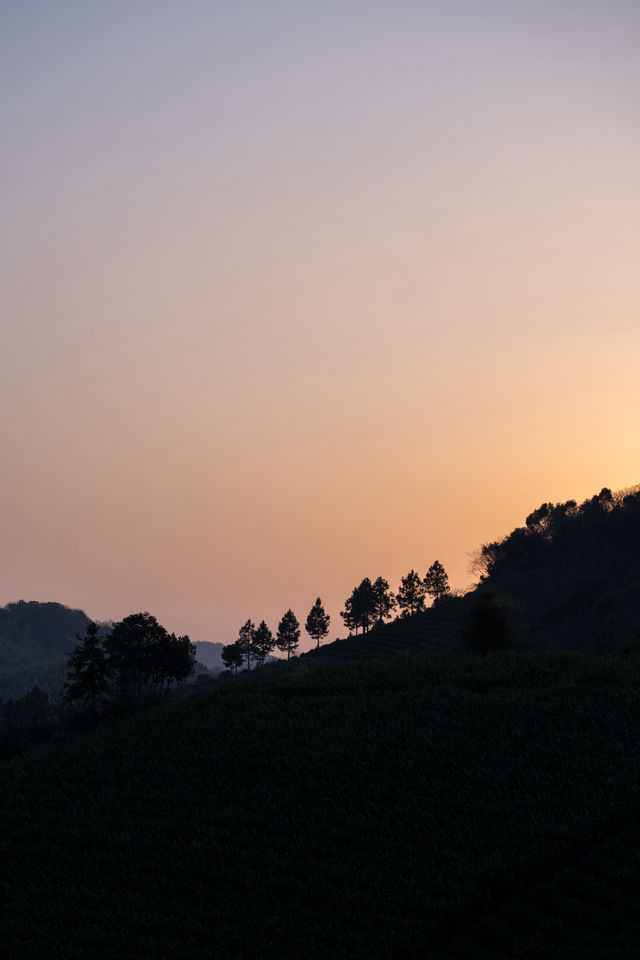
x=296 y=292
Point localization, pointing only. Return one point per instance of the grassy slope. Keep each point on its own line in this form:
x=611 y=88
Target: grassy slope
x=443 y=807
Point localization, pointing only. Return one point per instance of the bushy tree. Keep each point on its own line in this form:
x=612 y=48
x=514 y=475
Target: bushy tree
x=317 y=625
x=411 y=595
x=436 y=581
x=172 y=662
x=245 y=640
x=359 y=608
x=232 y=656
x=263 y=642
x=143 y=658
x=88 y=671
x=384 y=600
x=288 y=636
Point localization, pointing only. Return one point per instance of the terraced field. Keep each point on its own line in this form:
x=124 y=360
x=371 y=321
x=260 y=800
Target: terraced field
x=437 y=630
x=433 y=806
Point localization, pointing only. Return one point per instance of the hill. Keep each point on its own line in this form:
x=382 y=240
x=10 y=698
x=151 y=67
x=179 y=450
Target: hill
x=35 y=641
x=574 y=571
x=449 y=807
x=209 y=654
x=572 y=574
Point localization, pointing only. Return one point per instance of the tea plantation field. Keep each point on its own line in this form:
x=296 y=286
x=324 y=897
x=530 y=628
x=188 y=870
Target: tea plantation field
x=427 y=807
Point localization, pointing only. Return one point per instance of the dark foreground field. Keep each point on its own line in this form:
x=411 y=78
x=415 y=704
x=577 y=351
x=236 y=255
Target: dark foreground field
x=426 y=807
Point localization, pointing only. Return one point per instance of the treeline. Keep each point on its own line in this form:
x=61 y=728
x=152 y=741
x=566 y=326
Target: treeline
x=374 y=603
x=369 y=604
x=135 y=663
x=255 y=644
x=605 y=524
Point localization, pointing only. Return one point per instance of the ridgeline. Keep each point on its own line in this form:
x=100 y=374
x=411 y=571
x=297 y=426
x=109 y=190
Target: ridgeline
x=417 y=801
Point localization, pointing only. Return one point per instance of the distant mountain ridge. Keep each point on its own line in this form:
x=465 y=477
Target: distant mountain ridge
x=209 y=654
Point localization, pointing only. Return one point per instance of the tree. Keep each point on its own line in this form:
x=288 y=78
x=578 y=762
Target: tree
x=263 y=642
x=317 y=625
x=359 y=608
x=173 y=660
x=143 y=657
x=411 y=594
x=436 y=581
x=232 y=656
x=384 y=601
x=288 y=636
x=245 y=640
x=88 y=672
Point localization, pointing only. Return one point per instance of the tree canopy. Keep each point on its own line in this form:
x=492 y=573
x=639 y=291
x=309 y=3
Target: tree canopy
x=138 y=658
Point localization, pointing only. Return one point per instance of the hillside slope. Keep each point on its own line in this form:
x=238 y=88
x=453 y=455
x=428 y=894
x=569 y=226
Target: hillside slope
x=436 y=806
x=572 y=573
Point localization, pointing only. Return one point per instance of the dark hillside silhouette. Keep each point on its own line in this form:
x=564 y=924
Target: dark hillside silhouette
x=575 y=572
x=568 y=579
x=35 y=641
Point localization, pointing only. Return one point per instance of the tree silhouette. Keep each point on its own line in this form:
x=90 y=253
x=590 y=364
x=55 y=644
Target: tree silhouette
x=232 y=656
x=263 y=642
x=288 y=636
x=359 y=608
x=173 y=659
x=384 y=600
x=411 y=594
x=245 y=640
x=436 y=581
x=88 y=674
x=143 y=657
x=317 y=625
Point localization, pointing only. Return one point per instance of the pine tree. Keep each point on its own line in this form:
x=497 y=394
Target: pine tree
x=359 y=608
x=263 y=642
x=384 y=601
x=232 y=656
x=288 y=636
x=411 y=594
x=88 y=675
x=245 y=640
x=317 y=625
x=436 y=581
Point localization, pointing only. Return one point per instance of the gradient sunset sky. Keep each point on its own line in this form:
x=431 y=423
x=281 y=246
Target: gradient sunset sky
x=295 y=293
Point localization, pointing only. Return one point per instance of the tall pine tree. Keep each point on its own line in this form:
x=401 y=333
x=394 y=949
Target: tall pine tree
x=88 y=673
x=436 y=581
x=245 y=640
x=263 y=642
x=384 y=601
x=411 y=594
x=317 y=625
x=288 y=636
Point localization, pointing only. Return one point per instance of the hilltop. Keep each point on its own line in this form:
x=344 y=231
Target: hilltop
x=571 y=574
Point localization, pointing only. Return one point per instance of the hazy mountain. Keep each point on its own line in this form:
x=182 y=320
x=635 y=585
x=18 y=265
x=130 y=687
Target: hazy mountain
x=210 y=654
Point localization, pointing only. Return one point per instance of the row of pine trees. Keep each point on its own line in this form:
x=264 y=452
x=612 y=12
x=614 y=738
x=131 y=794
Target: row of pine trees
x=369 y=604
x=255 y=644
